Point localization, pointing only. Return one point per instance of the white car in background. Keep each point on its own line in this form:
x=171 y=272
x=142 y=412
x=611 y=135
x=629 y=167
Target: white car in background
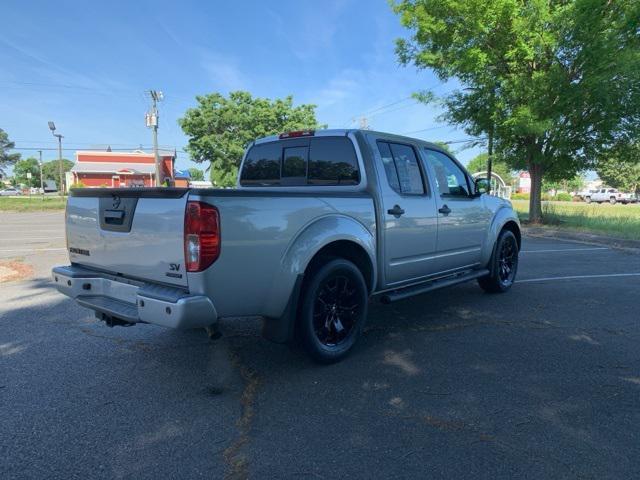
x=10 y=192
x=610 y=195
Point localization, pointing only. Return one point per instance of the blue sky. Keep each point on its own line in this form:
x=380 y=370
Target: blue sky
x=86 y=65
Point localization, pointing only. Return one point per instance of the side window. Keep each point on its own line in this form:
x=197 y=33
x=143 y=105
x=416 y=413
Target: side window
x=332 y=161
x=262 y=165
x=402 y=169
x=450 y=178
x=389 y=166
x=294 y=166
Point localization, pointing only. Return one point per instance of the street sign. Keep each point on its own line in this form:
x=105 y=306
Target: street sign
x=29 y=175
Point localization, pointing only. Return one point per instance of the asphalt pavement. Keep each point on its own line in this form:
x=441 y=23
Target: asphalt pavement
x=540 y=382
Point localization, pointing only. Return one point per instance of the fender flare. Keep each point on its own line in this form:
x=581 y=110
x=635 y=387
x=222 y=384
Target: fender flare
x=286 y=287
x=504 y=215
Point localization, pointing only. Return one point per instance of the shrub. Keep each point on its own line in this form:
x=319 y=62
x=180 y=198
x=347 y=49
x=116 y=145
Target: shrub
x=564 y=197
x=77 y=185
x=520 y=196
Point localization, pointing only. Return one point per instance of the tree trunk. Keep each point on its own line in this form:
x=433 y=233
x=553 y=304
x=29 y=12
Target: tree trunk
x=535 y=197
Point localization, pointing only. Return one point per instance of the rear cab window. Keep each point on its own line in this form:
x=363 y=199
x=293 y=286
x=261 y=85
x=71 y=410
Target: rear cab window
x=327 y=161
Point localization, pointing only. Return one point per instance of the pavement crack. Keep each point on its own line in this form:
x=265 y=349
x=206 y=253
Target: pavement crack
x=234 y=456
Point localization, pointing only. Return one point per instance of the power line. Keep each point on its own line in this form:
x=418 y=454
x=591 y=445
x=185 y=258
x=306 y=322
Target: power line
x=425 y=129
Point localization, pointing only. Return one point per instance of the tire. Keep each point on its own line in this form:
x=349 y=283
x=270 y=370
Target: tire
x=503 y=264
x=587 y=199
x=612 y=200
x=333 y=311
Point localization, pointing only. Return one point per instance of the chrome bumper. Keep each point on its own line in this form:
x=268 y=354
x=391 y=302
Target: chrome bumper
x=132 y=301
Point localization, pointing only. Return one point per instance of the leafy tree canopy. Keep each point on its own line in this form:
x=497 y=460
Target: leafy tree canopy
x=6 y=159
x=498 y=166
x=220 y=127
x=620 y=168
x=556 y=82
x=51 y=170
x=27 y=165
x=196 y=174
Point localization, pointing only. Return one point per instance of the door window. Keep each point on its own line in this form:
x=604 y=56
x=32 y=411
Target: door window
x=402 y=169
x=450 y=178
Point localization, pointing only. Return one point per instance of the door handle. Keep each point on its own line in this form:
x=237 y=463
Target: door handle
x=396 y=211
x=444 y=210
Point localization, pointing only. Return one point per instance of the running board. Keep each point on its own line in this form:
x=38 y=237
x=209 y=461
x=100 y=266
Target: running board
x=430 y=285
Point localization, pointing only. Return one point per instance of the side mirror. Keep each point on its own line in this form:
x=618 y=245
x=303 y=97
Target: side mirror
x=482 y=185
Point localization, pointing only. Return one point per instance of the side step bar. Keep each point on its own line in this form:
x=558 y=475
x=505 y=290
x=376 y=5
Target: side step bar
x=430 y=285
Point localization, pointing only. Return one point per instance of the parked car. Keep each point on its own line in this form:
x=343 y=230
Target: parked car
x=11 y=191
x=583 y=194
x=319 y=223
x=610 y=195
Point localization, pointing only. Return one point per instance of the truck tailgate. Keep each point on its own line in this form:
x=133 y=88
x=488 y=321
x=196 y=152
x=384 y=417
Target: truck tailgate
x=133 y=233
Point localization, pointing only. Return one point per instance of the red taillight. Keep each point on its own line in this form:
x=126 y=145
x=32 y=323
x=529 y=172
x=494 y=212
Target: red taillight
x=201 y=236
x=298 y=133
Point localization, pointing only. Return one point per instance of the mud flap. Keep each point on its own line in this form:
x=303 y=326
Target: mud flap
x=281 y=330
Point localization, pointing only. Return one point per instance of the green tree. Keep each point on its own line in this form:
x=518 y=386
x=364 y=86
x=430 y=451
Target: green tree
x=621 y=168
x=6 y=159
x=27 y=165
x=196 y=174
x=444 y=146
x=51 y=170
x=555 y=82
x=574 y=184
x=498 y=166
x=220 y=127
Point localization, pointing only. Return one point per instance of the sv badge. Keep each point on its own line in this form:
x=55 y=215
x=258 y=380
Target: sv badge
x=174 y=267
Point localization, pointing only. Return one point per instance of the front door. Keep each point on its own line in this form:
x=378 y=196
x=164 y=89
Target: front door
x=408 y=212
x=463 y=218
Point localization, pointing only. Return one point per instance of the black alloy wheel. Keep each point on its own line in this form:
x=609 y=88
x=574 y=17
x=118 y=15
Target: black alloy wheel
x=503 y=265
x=333 y=310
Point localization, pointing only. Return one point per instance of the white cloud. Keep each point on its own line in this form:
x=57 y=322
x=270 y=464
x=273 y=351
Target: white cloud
x=224 y=72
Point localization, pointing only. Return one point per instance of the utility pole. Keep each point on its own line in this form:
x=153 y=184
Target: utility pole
x=41 y=178
x=151 y=119
x=364 y=123
x=52 y=127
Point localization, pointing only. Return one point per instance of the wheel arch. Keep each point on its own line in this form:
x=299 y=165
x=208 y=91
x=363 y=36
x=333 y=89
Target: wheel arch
x=515 y=229
x=331 y=235
x=504 y=218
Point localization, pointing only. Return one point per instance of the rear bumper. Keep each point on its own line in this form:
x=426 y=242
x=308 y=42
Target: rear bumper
x=133 y=301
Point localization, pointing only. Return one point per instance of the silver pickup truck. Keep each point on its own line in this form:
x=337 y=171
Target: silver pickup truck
x=319 y=223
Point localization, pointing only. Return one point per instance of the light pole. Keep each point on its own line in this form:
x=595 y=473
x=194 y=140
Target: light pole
x=52 y=127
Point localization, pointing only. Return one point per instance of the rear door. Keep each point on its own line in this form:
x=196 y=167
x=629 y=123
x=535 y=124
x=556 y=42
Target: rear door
x=409 y=213
x=129 y=232
x=463 y=219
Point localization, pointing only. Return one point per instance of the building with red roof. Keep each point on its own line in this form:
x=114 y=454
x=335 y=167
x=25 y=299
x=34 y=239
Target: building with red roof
x=121 y=169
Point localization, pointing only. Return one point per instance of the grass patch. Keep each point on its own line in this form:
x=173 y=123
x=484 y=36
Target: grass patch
x=35 y=203
x=622 y=221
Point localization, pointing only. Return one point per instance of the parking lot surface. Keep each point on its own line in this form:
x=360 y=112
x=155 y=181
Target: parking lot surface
x=541 y=382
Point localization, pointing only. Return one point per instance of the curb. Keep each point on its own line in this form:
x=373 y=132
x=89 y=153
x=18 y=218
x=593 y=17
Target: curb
x=632 y=246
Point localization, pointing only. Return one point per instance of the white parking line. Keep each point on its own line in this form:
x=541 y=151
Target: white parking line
x=28 y=238
x=565 y=250
x=31 y=249
x=576 y=277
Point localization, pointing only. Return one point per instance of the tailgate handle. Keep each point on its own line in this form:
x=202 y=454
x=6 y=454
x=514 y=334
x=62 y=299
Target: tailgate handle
x=114 y=217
